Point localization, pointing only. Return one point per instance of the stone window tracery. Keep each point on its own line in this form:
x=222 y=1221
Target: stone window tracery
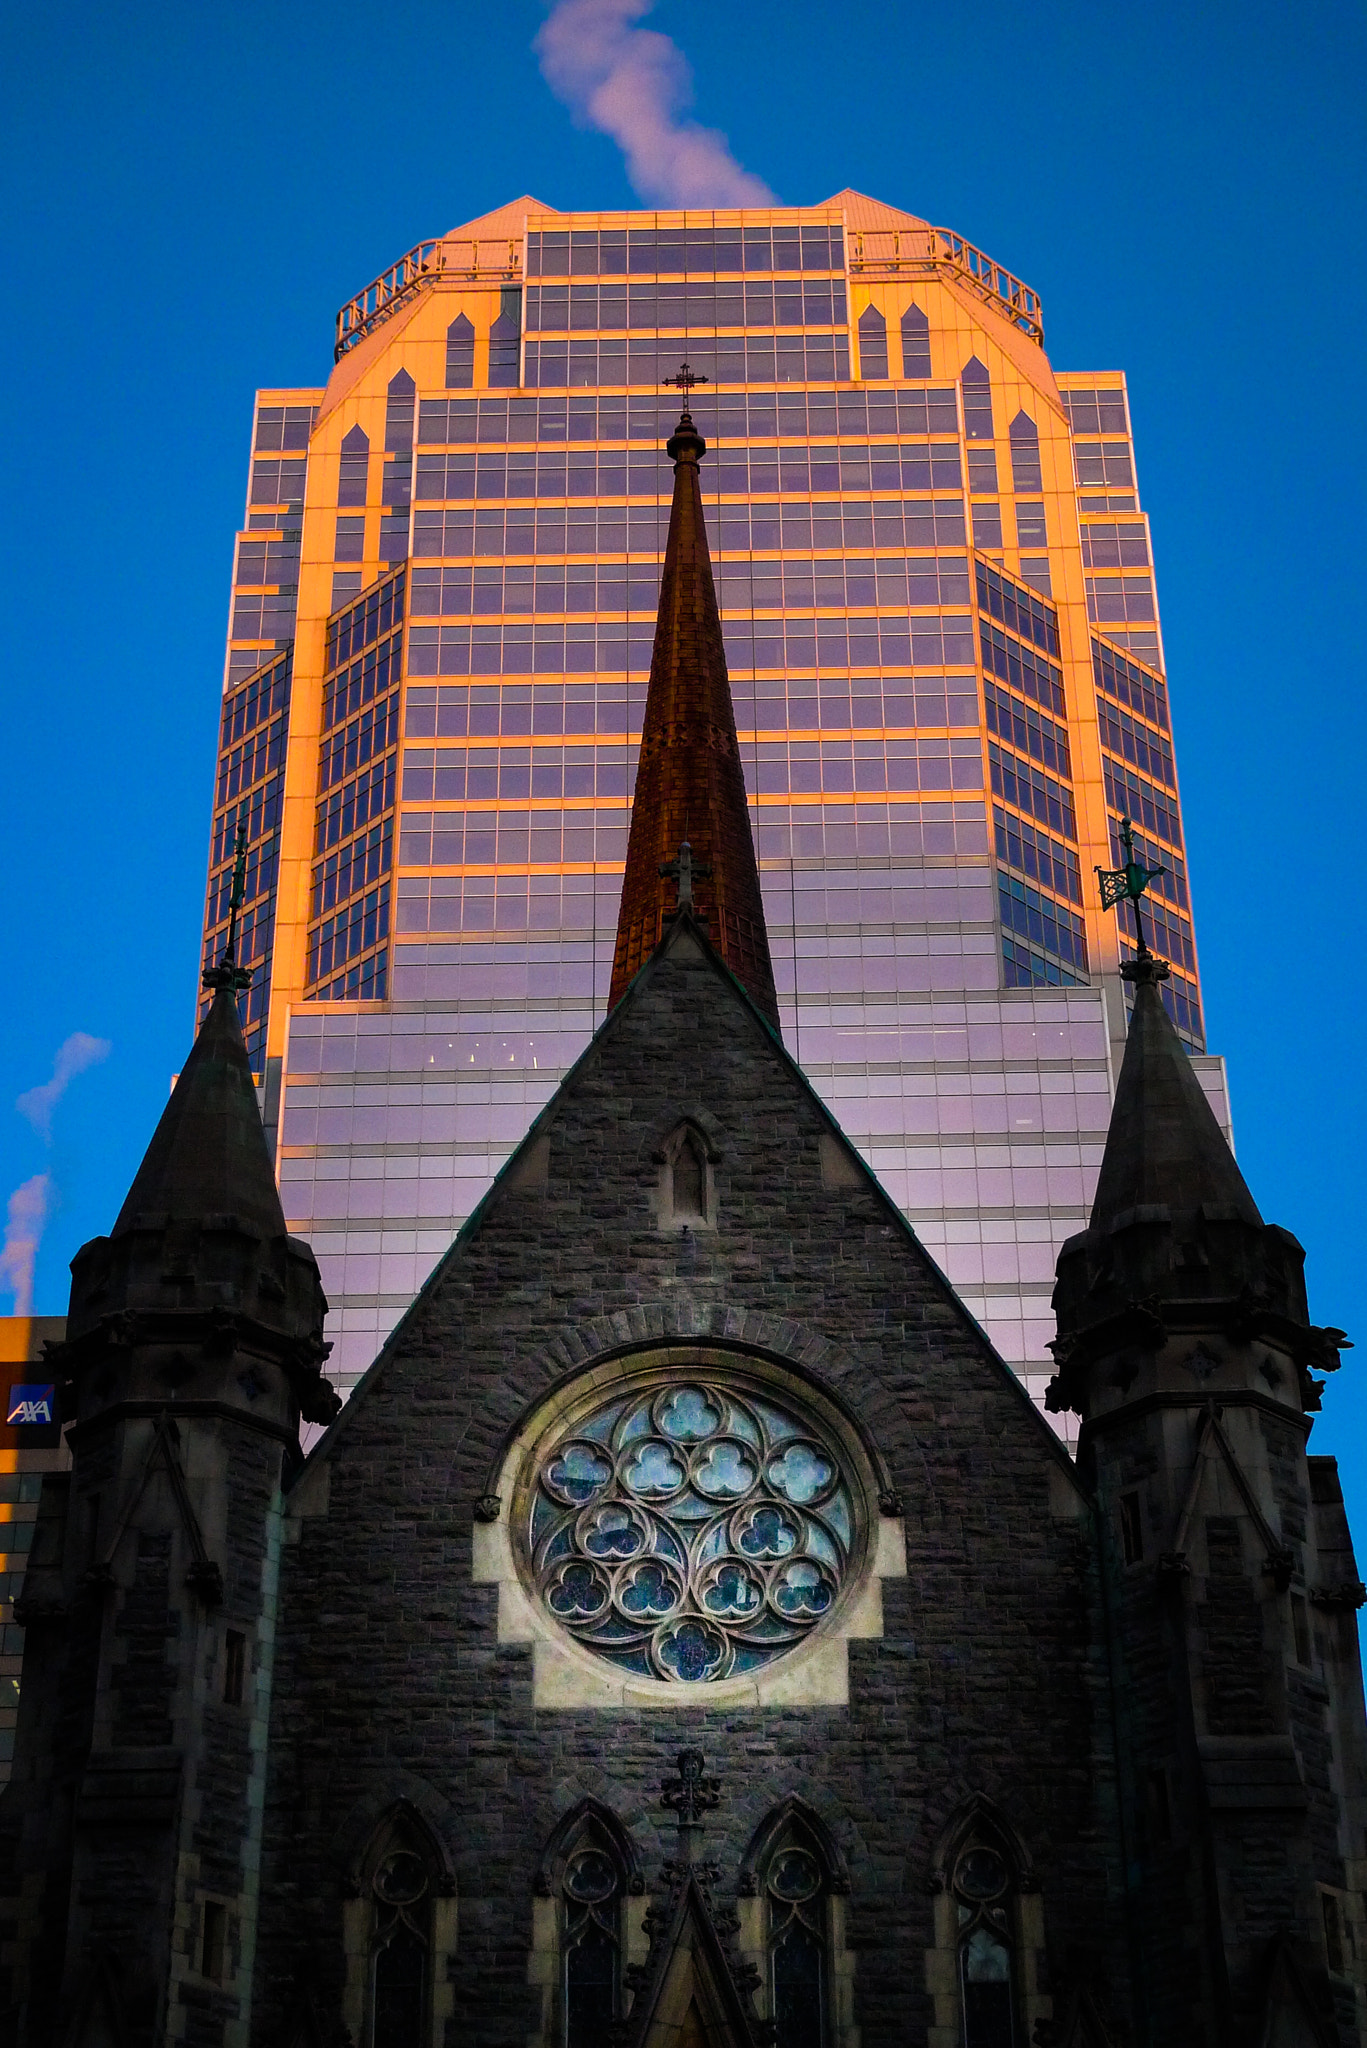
x=982 y=1885
x=592 y=1889
x=689 y=1529
x=400 y=1886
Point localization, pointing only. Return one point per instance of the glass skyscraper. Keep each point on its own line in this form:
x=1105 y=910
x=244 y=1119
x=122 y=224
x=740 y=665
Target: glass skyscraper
x=938 y=601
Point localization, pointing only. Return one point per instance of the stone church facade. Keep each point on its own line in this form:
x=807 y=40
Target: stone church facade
x=689 y=1632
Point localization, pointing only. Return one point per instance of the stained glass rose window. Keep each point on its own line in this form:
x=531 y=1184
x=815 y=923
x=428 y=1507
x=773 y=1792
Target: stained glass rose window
x=690 y=1529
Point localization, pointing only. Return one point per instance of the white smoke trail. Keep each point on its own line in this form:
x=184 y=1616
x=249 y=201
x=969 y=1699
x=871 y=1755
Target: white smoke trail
x=74 y=1055
x=633 y=84
x=23 y=1233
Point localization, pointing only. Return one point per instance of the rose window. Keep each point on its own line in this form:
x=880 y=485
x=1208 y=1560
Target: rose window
x=689 y=1530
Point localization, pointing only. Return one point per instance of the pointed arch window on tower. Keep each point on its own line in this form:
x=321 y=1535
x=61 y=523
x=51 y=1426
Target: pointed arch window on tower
x=354 y=472
x=873 y=344
x=915 y=343
x=505 y=342
x=1025 y=469
x=398 y=413
x=460 y=354
x=977 y=392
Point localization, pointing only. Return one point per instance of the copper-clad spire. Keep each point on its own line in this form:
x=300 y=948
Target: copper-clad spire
x=690 y=787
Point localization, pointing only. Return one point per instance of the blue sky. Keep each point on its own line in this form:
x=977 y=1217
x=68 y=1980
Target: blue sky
x=191 y=192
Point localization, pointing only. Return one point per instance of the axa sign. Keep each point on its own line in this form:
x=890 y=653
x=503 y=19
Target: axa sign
x=32 y=1404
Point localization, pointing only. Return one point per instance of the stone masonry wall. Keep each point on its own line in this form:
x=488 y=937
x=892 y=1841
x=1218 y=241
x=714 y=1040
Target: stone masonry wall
x=988 y=1676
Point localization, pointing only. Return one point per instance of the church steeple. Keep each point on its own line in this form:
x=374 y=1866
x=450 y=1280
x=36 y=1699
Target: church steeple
x=690 y=786
x=1164 y=1144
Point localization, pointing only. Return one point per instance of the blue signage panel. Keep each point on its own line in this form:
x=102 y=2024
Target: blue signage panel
x=32 y=1404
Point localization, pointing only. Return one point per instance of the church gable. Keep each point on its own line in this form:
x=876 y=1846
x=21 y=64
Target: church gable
x=686 y=1162
x=622 y=1462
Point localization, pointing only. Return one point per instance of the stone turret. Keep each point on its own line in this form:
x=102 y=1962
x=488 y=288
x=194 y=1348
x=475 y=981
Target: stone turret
x=1185 y=1346
x=194 y=1346
x=690 y=786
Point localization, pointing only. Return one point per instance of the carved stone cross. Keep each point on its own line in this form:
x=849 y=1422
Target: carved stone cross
x=683 y=870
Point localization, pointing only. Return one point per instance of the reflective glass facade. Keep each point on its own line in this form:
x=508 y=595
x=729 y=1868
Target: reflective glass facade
x=938 y=602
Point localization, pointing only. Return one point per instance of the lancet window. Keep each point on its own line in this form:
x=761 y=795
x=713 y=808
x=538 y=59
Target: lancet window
x=589 y=1870
x=915 y=343
x=460 y=354
x=794 y=1871
x=977 y=395
x=873 y=344
x=401 y=1884
x=1025 y=469
x=505 y=342
x=354 y=469
x=982 y=1872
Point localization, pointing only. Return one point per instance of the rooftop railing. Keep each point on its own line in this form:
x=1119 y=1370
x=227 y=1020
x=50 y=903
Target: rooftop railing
x=888 y=251
x=496 y=261
x=872 y=252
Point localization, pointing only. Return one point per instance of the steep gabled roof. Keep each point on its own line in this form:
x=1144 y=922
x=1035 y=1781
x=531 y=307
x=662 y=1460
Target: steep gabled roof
x=610 y=1072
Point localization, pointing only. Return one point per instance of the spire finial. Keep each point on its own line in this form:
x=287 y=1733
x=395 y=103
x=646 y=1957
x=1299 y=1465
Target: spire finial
x=227 y=974
x=691 y=1794
x=1128 y=884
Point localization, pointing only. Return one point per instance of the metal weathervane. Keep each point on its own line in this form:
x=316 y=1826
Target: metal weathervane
x=1128 y=884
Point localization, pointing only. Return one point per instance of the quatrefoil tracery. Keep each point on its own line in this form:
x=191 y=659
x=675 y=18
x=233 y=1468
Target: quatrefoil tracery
x=688 y=1531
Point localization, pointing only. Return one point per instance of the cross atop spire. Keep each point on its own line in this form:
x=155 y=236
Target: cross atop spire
x=685 y=380
x=683 y=871
x=690 y=820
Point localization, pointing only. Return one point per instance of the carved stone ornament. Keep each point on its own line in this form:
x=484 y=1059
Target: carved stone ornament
x=689 y=1529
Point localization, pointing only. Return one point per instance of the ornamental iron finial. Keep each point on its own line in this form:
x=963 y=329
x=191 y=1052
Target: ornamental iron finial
x=691 y=1794
x=683 y=871
x=1128 y=884
x=227 y=974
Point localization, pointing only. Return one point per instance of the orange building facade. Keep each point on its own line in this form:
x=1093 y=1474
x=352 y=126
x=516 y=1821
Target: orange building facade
x=937 y=597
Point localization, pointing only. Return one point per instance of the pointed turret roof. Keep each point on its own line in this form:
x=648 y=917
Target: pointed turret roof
x=690 y=786
x=1164 y=1144
x=208 y=1155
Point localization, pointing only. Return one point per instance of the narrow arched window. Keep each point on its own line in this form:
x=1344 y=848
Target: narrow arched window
x=401 y=1890
x=988 y=1988
x=915 y=343
x=977 y=391
x=689 y=1180
x=795 y=1889
x=398 y=413
x=354 y=472
x=1025 y=469
x=592 y=1891
x=505 y=342
x=873 y=344
x=460 y=354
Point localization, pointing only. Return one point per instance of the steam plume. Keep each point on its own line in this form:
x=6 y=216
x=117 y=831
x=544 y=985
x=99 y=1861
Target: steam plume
x=23 y=1234
x=74 y=1055
x=633 y=84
